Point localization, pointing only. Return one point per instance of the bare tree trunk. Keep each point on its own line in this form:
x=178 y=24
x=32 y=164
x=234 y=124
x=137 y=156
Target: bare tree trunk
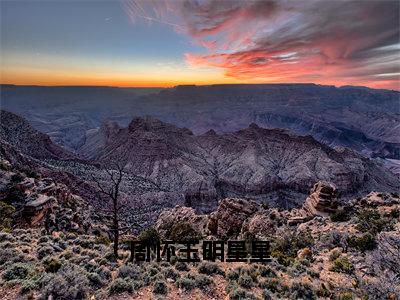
x=116 y=229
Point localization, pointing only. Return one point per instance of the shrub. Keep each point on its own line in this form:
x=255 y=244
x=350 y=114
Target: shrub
x=370 y=220
x=334 y=239
x=245 y=281
x=345 y=296
x=160 y=288
x=51 y=265
x=302 y=291
x=232 y=275
x=6 y=212
x=44 y=251
x=186 y=283
x=363 y=243
x=29 y=285
x=267 y=272
x=340 y=215
x=272 y=285
x=203 y=282
x=10 y=255
x=266 y=295
x=183 y=232
x=239 y=294
x=17 y=271
x=5 y=165
x=191 y=281
x=394 y=213
x=170 y=273
x=149 y=236
x=334 y=255
x=210 y=268
x=181 y=266
x=102 y=240
x=342 y=265
x=285 y=248
x=95 y=280
x=15 y=196
x=129 y=271
x=104 y=272
x=17 y=178
x=31 y=173
x=5 y=236
x=120 y=285
x=68 y=283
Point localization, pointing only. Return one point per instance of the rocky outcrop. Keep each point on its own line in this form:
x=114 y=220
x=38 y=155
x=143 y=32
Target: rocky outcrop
x=322 y=200
x=168 y=218
x=227 y=221
x=263 y=224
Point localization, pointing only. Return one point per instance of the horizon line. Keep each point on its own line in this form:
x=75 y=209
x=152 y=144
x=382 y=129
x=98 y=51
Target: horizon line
x=199 y=85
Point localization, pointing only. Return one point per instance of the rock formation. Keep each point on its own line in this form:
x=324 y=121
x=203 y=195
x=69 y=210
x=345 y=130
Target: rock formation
x=322 y=200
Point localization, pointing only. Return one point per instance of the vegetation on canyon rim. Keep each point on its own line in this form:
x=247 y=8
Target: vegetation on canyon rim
x=320 y=258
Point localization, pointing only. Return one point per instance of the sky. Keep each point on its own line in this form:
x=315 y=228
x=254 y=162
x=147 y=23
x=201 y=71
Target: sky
x=166 y=43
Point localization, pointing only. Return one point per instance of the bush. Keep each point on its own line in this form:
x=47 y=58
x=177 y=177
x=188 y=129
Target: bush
x=120 y=285
x=267 y=272
x=102 y=240
x=68 y=283
x=17 y=178
x=370 y=220
x=17 y=271
x=160 y=288
x=334 y=255
x=340 y=215
x=245 y=281
x=183 y=232
x=266 y=295
x=170 y=273
x=363 y=243
x=186 y=283
x=149 y=236
x=203 y=282
x=15 y=196
x=10 y=255
x=44 y=251
x=95 y=280
x=31 y=173
x=239 y=294
x=5 y=165
x=210 y=268
x=272 y=284
x=302 y=291
x=129 y=271
x=232 y=274
x=345 y=296
x=51 y=265
x=191 y=281
x=394 y=213
x=342 y=265
x=6 y=212
x=181 y=266
x=286 y=247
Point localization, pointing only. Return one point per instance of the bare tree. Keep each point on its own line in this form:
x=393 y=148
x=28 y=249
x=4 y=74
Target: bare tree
x=110 y=192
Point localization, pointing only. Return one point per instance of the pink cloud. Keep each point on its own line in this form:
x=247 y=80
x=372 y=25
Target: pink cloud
x=333 y=42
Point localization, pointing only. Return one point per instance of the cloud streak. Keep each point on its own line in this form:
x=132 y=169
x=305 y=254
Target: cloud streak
x=330 y=42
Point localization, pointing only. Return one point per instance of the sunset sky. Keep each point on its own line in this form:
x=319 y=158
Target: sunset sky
x=165 y=43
